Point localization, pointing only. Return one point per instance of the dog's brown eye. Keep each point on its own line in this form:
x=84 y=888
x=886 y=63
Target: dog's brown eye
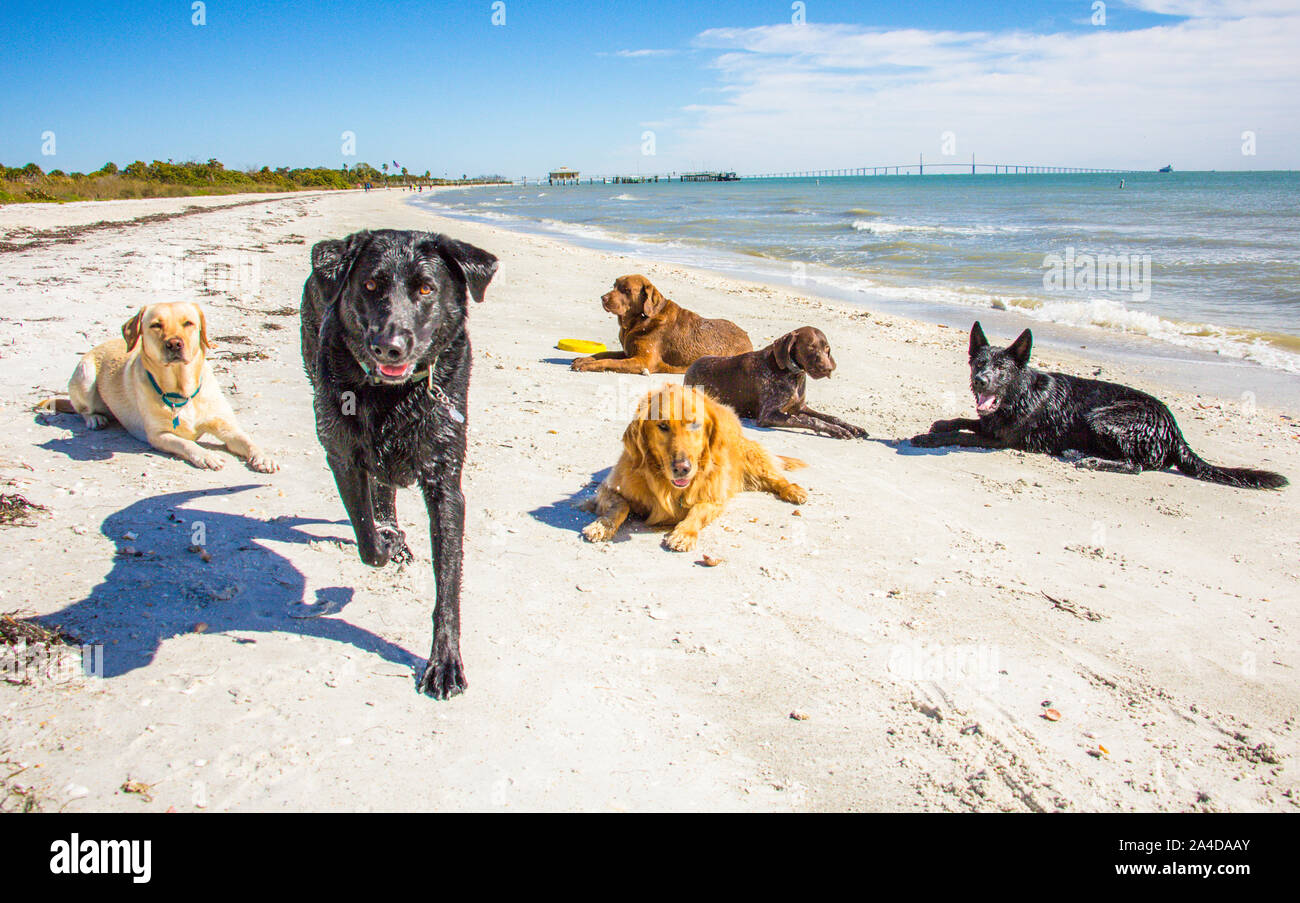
x=187 y=325
x=155 y=326
x=370 y=285
x=424 y=290
x=663 y=426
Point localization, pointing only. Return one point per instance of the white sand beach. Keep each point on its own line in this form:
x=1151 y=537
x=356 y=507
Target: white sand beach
x=891 y=645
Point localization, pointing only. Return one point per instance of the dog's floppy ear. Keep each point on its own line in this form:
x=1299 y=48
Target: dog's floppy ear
x=722 y=427
x=1020 y=348
x=131 y=329
x=332 y=259
x=476 y=265
x=203 y=329
x=652 y=300
x=634 y=441
x=977 y=339
x=784 y=349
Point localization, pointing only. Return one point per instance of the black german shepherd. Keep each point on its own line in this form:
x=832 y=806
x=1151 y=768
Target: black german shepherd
x=1116 y=428
x=385 y=345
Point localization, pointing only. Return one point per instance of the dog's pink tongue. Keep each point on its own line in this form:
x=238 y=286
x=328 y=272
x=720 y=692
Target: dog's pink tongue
x=985 y=402
x=394 y=371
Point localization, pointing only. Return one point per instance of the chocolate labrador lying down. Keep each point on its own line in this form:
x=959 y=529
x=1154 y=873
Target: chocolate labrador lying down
x=657 y=335
x=768 y=385
x=385 y=347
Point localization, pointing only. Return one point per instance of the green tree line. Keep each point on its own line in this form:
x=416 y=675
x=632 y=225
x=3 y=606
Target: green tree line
x=168 y=179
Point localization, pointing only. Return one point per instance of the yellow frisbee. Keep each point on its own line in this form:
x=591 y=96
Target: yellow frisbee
x=580 y=346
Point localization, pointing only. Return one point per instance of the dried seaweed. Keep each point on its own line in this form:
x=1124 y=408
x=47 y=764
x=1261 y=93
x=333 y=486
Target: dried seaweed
x=16 y=511
x=68 y=234
x=15 y=629
x=242 y=356
x=15 y=798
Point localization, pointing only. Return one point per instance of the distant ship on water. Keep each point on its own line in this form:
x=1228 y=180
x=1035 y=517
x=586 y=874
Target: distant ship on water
x=1169 y=168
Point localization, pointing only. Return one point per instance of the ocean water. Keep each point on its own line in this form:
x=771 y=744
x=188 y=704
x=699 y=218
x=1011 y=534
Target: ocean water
x=1208 y=262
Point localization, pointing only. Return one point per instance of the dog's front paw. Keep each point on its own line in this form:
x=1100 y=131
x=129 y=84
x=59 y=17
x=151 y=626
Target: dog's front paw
x=580 y=363
x=840 y=432
x=597 y=531
x=793 y=493
x=945 y=426
x=96 y=421
x=928 y=440
x=392 y=543
x=443 y=677
x=860 y=433
x=680 y=540
x=387 y=543
x=208 y=461
x=262 y=462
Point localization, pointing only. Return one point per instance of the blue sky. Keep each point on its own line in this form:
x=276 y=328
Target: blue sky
x=735 y=85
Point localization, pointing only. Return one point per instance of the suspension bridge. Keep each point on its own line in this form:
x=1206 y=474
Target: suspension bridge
x=920 y=168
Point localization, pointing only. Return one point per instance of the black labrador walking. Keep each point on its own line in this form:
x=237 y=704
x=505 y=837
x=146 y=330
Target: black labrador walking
x=385 y=345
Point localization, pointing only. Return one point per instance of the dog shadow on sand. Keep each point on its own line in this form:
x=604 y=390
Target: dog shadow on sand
x=571 y=512
x=159 y=589
x=86 y=444
x=905 y=448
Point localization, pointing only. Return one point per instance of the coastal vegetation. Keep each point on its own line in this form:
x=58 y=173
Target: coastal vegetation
x=30 y=183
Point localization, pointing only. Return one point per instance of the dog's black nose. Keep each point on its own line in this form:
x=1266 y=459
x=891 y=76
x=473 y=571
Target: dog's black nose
x=391 y=346
x=682 y=466
x=175 y=345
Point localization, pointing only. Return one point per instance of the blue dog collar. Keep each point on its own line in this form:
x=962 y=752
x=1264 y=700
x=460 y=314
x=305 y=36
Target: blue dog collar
x=173 y=400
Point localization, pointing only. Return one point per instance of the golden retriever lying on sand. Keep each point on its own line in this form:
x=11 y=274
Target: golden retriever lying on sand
x=683 y=459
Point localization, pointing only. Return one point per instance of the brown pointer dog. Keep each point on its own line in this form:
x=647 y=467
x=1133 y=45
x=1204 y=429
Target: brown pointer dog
x=768 y=385
x=658 y=336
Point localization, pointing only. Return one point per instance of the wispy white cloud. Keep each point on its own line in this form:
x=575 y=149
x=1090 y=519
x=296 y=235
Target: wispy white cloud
x=635 y=54
x=1228 y=9
x=823 y=95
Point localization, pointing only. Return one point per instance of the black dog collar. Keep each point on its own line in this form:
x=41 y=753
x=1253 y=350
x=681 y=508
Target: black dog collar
x=435 y=391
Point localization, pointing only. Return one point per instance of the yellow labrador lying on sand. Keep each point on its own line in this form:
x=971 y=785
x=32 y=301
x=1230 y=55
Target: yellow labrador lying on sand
x=157 y=383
